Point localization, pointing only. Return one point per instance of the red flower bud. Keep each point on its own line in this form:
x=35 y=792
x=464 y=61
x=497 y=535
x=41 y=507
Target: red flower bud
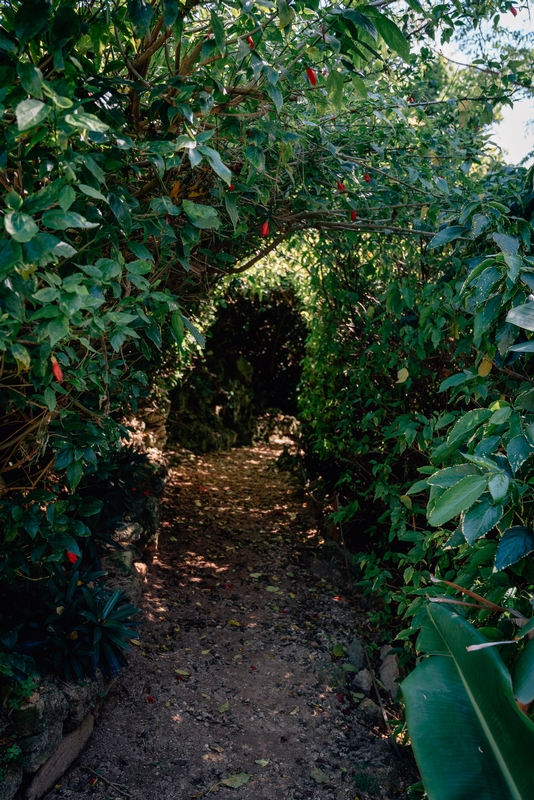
x=264 y=230
x=231 y=187
x=312 y=76
x=56 y=369
x=73 y=558
x=513 y=10
x=353 y=216
x=341 y=186
x=367 y=178
x=411 y=99
x=250 y=41
x=252 y=667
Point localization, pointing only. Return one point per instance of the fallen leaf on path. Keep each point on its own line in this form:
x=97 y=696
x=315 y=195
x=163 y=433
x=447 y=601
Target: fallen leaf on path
x=349 y=668
x=295 y=711
x=263 y=761
x=183 y=672
x=136 y=642
x=256 y=574
x=205 y=652
x=318 y=775
x=338 y=650
x=235 y=781
x=217 y=748
x=272 y=588
x=225 y=707
x=235 y=623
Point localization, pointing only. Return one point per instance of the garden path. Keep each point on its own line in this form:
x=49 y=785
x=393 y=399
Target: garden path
x=232 y=679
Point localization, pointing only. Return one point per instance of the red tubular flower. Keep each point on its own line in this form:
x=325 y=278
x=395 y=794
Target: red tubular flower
x=312 y=76
x=149 y=698
x=73 y=558
x=367 y=178
x=250 y=42
x=513 y=10
x=264 y=230
x=56 y=369
x=341 y=186
x=353 y=216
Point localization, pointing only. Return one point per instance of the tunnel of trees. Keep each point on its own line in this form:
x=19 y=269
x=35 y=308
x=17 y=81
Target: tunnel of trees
x=312 y=187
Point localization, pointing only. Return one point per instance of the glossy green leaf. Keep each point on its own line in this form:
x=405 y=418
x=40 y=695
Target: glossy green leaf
x=515 y=543
x=445 y=236
x=498 y=486
x=469 y=738
x=523 y=316
x=201 y=216
x=480 y=519
x=30 y=113
x=524 y=675
x=20 y=226
x=214 y=160
x=457 y=499
x=451 y=475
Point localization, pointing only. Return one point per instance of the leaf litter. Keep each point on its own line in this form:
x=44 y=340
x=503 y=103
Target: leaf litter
x=246 y=690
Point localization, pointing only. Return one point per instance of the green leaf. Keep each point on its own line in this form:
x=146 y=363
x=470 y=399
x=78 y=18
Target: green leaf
x=218 y=31
x=507 y=244
x=450 y=476
x=445 y=236
x=276 y=96
x=86 y=122
x=50 y=398
x=523 y=316
x=170 y=12
x=334 y=87
x=285 y=13
x=361 y=20
x=67 y=196
x=256 y=157
x=338 y=650
x=479 y=520
x=524 y=674
x=515 y=543
x=518 y=451
x=90 y=192
x=201 y=216
x=10 y=253
x=498 y=486
x=31 y=79
x=62 y=220
x=20 y=226
x=58 y=329
x=469 y=738
x=467 y=422
x=231 y=206
x=457 y=499
x=164 y=205
x=214 y=160
x=236 y=781
x=178 y=327
x=30 y=113
x=140 y=13
x=21 y=356
x=393 y=36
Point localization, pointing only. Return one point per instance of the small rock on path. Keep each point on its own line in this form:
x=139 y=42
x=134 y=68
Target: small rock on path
x=234 y=684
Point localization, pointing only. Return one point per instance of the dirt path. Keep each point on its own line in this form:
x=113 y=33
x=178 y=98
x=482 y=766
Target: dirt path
x=234 y=675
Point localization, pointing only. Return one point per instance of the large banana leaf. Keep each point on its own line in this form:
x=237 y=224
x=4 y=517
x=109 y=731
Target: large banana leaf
x=470 y=740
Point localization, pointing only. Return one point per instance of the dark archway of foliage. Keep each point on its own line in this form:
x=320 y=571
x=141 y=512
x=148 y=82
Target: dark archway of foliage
x=251 y=365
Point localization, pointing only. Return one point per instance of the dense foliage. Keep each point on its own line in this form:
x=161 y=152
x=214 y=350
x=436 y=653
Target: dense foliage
x=151 y=151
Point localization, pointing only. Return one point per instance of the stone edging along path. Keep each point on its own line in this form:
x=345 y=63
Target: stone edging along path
x=233 y=686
